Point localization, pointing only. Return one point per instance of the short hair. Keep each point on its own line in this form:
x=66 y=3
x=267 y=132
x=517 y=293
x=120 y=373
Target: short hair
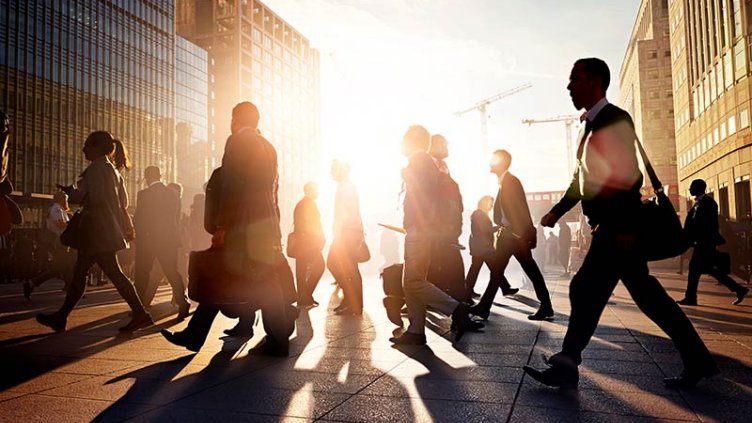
x=483 y=199
x=59 y=197
x=176 y=186
x=418 y=136
x=505 y=155
x=246 y=113
x=309 y=186
x=699 y=184
x=597 y=68
x=341 y=168
x=152 y=171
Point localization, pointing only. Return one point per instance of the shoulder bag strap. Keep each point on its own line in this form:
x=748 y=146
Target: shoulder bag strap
x=657 y=185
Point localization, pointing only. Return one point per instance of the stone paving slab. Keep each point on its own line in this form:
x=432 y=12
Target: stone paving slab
x=344 y=368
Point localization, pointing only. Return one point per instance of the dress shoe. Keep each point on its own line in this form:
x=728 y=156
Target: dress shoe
x=409 y=338
x=561 y=373
x=184 y=310
x=542 y=314
x=393 y=306
x=241 y=330
x=688 y=379
x=54 y=321
x=180 y=339
x=687 y=302
x=474 y=295
x=462 y=323
x=477 y=311
x=740 y=296
x=139 y=321
x=28 y=288
x=509 y=292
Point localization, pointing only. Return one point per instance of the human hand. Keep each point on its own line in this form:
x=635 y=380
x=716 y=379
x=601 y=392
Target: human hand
x=218 y=238
x=549 y=220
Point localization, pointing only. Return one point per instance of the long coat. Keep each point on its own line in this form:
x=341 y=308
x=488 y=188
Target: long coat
x=102 y=195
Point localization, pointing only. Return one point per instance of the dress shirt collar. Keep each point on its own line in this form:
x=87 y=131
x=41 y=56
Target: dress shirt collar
x=155 y=182
x=593 y=112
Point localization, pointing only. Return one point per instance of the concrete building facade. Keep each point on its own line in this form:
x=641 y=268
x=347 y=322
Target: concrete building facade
x=710 y=45
x=646 y=91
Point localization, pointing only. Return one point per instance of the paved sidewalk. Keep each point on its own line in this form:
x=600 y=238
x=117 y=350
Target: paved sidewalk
x=344 y=369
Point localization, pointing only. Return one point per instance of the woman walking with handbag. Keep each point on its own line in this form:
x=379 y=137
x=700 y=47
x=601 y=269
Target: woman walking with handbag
x=100 y=229
x=348 y=246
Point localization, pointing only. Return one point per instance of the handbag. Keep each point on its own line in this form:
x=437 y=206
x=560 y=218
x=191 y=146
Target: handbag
x=362 y=253
x=661 y=235
x=294 y=244
x=216 y=277
x=722 y=263
x=75 y=234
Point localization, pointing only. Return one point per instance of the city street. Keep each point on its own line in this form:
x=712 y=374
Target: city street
x=344 y=368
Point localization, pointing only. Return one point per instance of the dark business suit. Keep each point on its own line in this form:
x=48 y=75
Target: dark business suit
x=611 y=202
x=447 y=270
x=517 y=238
x=241 y=199
x=481 y=246
x=309 y=265
x=701 y=230
x=157 y=238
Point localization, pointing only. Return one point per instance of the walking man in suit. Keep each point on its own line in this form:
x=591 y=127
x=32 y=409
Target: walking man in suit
x=447 y=269
x=242 y=214
x=158 y=238
x=421 y=178
x=608 y=182
x=516 y=237
x=309 y=264
x=481 y=242
x=701 y=230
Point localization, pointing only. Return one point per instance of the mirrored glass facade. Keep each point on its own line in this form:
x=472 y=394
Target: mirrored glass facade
x=69 y=67
x=195 y=143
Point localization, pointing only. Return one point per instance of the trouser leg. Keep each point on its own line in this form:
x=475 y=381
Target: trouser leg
x=726 y=281
x=472 y=273
x=168 y=261
x=658 y=306
x=420 y=293
x=277 y=324
x=589 y=292
x=78 y=284
x=693 y=276
x=315 y=271
x=302 y=269
x=200 y=324
x=109 y=264
x=498 y=265
x=529 y=266
x=144 y=263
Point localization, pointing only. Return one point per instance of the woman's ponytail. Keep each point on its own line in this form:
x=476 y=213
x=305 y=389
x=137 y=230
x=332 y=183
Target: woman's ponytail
x=120 y=156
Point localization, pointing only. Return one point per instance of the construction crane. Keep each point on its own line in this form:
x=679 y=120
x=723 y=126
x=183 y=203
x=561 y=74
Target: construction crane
x=568 y=120
x=482 y=106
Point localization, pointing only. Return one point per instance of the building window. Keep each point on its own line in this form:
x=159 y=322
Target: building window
x=744 y=119
x=732 y=125
x=743 y=202
x=723 y=201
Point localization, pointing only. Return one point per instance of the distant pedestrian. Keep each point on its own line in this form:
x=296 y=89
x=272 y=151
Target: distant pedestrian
x=103 y=198
x=565 y=244
x=61 y=265
x=702 y=232
x=309 y=261
x=347 y=243
x=157 y=221
x=481 y=242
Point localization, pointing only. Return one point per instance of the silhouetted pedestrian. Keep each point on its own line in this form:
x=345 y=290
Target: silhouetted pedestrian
x=702 y=232
x=608 y=182
x=481 y=242
x=421 y=179
x=105 y=229
x=347 y=243
x=157 y=221
x=309 y=261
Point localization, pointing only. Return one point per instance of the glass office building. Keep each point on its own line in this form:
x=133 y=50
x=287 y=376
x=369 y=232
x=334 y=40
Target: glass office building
x=70 y=67
x=193 y=137
x=259 y=57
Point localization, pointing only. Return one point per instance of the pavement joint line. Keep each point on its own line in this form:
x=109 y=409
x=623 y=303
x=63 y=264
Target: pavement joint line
x=529 y=356
x=646 y=350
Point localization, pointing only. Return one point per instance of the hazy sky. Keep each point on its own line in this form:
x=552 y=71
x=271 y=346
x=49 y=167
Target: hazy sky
x=387 y=64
